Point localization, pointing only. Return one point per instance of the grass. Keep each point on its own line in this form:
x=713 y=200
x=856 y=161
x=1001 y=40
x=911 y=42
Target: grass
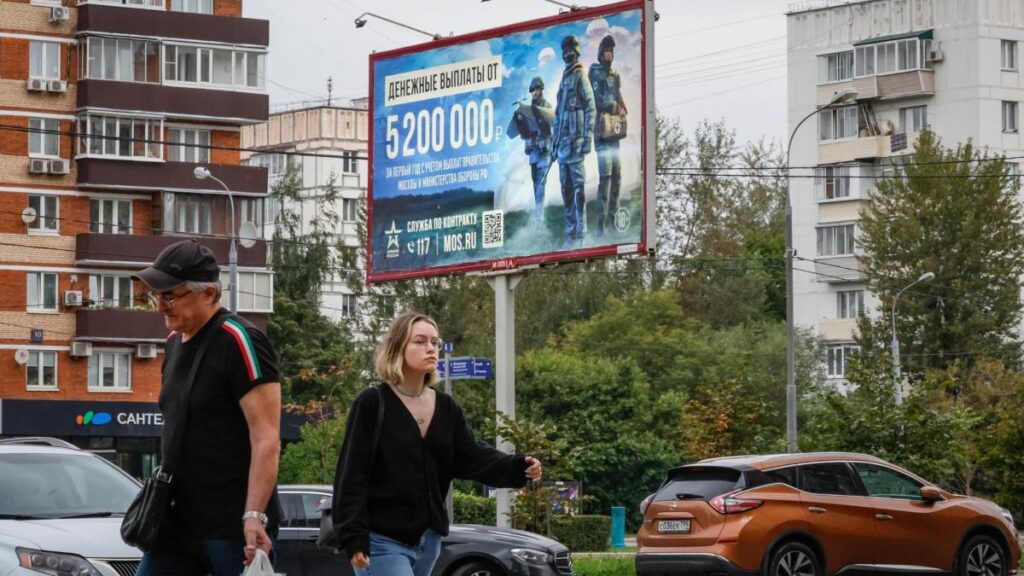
x=608 y=566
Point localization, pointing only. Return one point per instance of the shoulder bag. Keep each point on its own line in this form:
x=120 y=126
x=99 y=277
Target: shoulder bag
x=150 y=513
x=328 y=538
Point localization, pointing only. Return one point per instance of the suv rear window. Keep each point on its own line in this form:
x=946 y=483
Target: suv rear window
x=698 y=483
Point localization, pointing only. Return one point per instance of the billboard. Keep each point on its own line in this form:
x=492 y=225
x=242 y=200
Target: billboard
x=513 y=146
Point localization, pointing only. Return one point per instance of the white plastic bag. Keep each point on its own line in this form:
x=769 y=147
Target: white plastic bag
x=260 y=565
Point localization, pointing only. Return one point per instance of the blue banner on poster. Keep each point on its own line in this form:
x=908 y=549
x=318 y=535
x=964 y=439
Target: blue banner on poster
x=509 y=147
x=466 y=368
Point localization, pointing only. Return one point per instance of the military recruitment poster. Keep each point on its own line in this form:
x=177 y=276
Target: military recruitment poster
x=511 y=147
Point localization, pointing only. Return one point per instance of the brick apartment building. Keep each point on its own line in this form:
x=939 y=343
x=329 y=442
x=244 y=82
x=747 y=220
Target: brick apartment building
x=102 y=103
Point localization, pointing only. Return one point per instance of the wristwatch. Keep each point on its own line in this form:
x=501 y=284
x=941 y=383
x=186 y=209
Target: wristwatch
x=257 y=515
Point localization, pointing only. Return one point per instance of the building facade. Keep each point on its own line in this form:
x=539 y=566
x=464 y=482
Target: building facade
x=106 y=108
x=332 y=142
x=950 y=65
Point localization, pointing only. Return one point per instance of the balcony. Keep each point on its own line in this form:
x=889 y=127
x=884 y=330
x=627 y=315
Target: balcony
x=126 y=251
x=894 y=86
x=174 y=101
x=839 y=270
x=179 y=25
x=112 y=325
x=867 y=148
x=842 y=329
x=168 y=176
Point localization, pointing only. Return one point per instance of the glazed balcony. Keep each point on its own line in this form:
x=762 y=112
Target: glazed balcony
x=176 y=101
x=865 y=148
x=112 y=173
x=94 y=18
x=124 y=250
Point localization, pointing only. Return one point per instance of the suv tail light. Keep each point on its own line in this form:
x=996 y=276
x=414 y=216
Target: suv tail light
x=729 y=504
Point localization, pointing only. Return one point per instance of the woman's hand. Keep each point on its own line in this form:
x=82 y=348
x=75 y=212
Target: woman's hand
x=359 y=560
x=533 y=469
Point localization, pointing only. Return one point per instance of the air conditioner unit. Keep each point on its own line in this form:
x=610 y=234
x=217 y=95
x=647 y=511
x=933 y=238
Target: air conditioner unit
x=56 y=86
x=80 y=349
x=60 y=166
x=145 y=351
x=73 y=298
x=935 y=55
x=38 y=166
x=60 y=14
x=36 y=84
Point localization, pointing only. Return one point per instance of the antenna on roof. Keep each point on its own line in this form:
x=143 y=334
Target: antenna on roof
x=330 y=88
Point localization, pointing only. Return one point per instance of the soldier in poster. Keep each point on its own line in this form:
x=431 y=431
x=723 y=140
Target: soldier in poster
x=574 y=135
x=610 y=129
x=533 y=122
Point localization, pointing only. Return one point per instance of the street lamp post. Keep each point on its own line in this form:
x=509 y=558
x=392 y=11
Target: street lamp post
x=840 y=97
x=361 y=21
x=896 y=375
x=202 y=173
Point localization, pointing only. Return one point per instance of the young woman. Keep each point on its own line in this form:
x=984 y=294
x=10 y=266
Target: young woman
x=389 y=506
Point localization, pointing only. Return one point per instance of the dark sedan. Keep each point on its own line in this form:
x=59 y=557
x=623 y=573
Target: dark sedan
x=467 y=550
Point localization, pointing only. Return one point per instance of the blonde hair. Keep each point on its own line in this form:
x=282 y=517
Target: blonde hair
x=390 y=357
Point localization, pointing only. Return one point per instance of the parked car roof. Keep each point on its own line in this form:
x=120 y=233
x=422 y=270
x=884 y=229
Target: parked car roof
x=764 y=461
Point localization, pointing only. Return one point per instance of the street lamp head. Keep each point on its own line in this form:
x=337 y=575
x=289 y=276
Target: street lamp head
x=201 y=173
x=926 y=277
x=360 y=22
x=844 y=95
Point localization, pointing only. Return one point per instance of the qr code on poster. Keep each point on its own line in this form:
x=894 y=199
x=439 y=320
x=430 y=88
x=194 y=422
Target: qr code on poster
x=494 y=229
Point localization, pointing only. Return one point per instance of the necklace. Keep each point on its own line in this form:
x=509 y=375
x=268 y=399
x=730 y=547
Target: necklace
x=406 y=394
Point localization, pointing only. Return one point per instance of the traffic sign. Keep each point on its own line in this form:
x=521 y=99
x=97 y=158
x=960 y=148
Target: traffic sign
x=465 y=367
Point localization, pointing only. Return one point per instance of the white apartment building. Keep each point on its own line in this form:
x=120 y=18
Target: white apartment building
x=339 y=133
x=952 y=65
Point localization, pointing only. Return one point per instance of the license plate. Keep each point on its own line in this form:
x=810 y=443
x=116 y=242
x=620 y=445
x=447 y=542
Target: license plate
x=673 y=526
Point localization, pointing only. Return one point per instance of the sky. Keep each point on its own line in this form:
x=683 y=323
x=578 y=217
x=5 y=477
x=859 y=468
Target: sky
x=714 y=59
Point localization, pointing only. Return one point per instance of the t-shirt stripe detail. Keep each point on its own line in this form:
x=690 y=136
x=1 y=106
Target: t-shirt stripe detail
x=241 y=336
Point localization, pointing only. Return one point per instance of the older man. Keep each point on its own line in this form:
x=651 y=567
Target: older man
x=226 y=448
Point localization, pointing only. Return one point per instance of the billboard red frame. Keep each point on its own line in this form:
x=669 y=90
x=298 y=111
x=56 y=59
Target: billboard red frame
x=647 y=235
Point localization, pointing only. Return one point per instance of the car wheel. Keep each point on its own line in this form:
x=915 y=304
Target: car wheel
x=477 y=568
x=794 y=559
x=982 y=556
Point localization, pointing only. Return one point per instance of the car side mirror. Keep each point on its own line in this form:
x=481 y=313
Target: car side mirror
x=931 y=494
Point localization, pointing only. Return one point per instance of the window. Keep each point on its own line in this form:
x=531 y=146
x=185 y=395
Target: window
x=42 y=291
x=151 y=3
x=835 y=67
x=901 y=55
x=836 y=240
x=838 y=359
x=47 y=214
x=121 y=59
x=251 y=210
x=44 y=60
x=882 y=482
x=219 y=66
x=913 y=119
x=110 y=216
x=850 y=303
x=110 y=371
x=700 y=482
x=865 y=57
x=255 y=291
x=349 y=209
x=196 y=6
x=832 y=182
x=137 y=138
x=1009 y=116
x=302 y=510
x=193 y=214
x=109 y=291
x=183 y=145
x=831 y=478
x=41 y=370
x=44 y=137
x=1009 y=54
x=837 y=123
x=348 y=305
x=784 y=475
x=349 y=162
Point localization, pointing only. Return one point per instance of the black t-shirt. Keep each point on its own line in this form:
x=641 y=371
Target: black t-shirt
x=211 y=476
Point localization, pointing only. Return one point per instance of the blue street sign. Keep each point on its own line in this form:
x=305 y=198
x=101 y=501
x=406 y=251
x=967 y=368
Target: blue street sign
x=465 y=367
x=447 y=347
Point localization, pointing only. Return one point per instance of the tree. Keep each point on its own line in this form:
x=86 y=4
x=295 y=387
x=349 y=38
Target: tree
x=953 y=212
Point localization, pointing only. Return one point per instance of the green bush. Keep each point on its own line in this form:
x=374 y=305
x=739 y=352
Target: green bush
x=608 y=566
x=471 y=509
x=583 y=533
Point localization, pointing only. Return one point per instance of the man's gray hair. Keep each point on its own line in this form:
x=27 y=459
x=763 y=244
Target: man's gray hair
x=198 y=287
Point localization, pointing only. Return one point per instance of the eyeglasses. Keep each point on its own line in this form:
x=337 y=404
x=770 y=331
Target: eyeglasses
x=423 y=342
x=167 y=299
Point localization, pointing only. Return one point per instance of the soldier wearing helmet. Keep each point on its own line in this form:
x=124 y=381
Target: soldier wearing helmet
x=574 y=136
x=611 y=114
x=533 y=123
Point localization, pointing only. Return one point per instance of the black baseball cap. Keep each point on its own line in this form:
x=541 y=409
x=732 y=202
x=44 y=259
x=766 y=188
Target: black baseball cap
x=180 y=262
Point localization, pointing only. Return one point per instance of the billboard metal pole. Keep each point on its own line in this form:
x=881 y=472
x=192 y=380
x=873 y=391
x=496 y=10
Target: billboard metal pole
x=504 y=286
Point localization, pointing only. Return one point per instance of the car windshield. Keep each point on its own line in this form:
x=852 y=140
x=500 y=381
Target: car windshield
x=61 y=485
x=698 y=483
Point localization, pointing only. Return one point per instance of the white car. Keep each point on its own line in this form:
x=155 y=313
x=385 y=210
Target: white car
x=61 y=510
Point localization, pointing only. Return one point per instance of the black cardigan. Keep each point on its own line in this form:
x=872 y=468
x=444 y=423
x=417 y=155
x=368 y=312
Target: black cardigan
x=404 y=493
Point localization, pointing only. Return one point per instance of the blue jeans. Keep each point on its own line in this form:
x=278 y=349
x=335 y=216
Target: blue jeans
x=389 y=557
x=224 y=557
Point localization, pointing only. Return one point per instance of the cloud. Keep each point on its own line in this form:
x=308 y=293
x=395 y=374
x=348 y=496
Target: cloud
x=597 y=28
x=546 y=55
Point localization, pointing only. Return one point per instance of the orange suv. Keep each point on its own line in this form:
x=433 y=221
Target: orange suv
x=816 y=515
